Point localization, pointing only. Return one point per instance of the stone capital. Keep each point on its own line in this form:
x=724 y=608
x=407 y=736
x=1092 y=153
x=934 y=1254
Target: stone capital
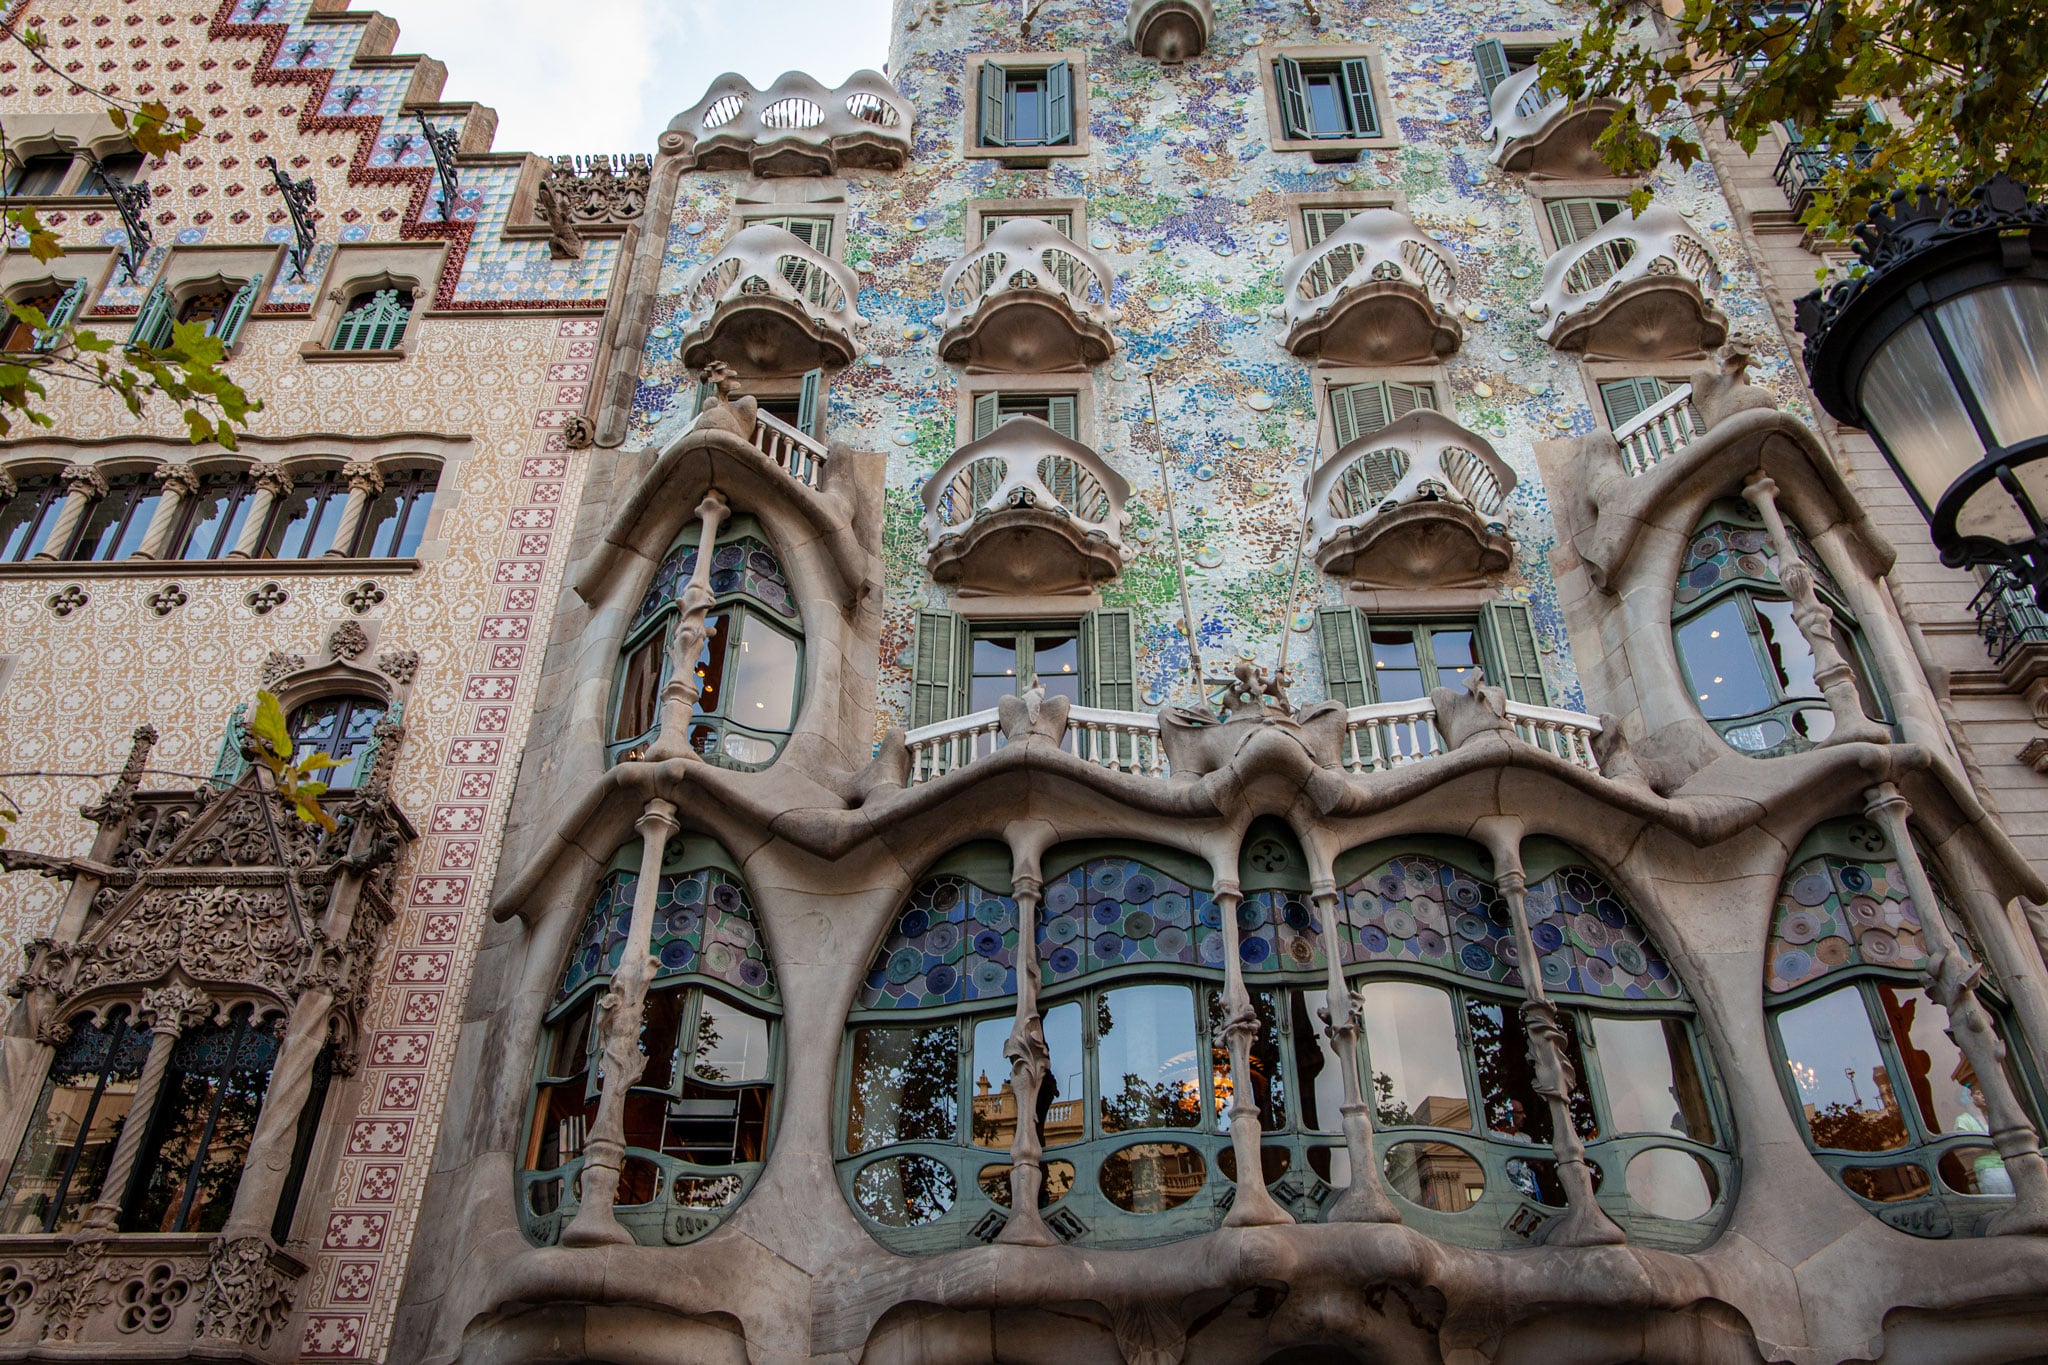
x=174 y=1008
x=84 y=479
x=181 y=479
x=274 y=479
x=363 y=477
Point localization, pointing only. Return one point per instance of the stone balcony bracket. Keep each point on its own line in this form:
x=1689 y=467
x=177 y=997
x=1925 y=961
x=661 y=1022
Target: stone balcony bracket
x=1170 y=31
x=1640 y=288
x=1024 y=511
x=769 y=305
x=1540 y=132
x=1420 y=503
x=1030 y=299
x=1375 y=292
x=794 y=127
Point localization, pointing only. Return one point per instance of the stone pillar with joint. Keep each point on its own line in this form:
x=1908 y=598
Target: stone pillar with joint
x=365 y=481
x=621 y=1011
x=1951 y=979
x=1253 y=1206
x=83 y=485
x=1837 y=680
x=271 y=482
x=1365 y=1199
x=1030 y=1063
x=168 y=1011
x=180 y=482
x=686 y=639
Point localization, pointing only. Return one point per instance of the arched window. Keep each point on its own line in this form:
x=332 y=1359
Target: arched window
x=375 y=320
x=27 y=518
x=1887 y=1101
x=58 y=303
x=751 y=665
x=304 y=521
x=343 y=728
x=396 y=520
x=210 y=522
x=1749 y=667
x=699 y=1118
x=115 y=525
x=1131 y=948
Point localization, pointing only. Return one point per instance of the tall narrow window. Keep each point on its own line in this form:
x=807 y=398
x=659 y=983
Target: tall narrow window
x=1326 y=99
x=396 y=521
x=212 y=518
x=79 y=1117
x=115 y=524
x=1027 y=106
x=191 y=1161
x=122 y=168
x=375 y=320
x=40 y=175
x=303 y=521
x=343 y=728
x=1009 y=661
x=27 y=518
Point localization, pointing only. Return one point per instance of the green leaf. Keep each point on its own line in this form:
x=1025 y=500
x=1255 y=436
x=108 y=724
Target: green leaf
x=269 y=726
x=314 y=763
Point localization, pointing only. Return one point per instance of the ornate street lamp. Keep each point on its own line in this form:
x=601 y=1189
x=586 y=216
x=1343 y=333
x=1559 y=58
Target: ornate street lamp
x=1940 y=350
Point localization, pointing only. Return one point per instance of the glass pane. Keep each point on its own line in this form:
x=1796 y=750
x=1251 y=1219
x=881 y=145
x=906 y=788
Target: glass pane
x=325 y=519
x=995 y=1108
x=994 y=670
x=1325 y=105
x=100 y=537
x=1064 y=1101
x=1844 y=1089
x=1396 y=669
x=1886 y=1184
x=381 y=523
x=1507 y=1074
x=1454 y=658
x=1653 y=1085
x=763 y=677
x=1791 y=657
x=640 y=692
x=1316 y=1066
x=1417 y=1076
x=710 y=1125
x=136 y=527
x=1718 y=657
x=1269 y=1087
x=1056 y=665
x=1671 y=1183
x=1145 y=1058
x=995 y=1183
x=1915 y=410
x=661 y=1038
x=732 y=1045
x=1435 y=1175
x=905 y=1191
x=2000 y=336
x=26 y=519
x=65 y=1152
x=1943 y=1083
x=711 y=664
x=1024 y=109
x=205 y=1116
x=905 y=1086
x=1152 y=1177
x=215 y=527
x=416 y=514
x=1975 y=1170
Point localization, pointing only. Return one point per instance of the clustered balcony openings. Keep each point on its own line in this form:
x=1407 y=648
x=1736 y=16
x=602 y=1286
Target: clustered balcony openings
x=1169 y=31
x=1370 y=289
x=1534 y=128
x=1637 y=287
x=1029 y=299
x=796 y=127
x=1129 y=946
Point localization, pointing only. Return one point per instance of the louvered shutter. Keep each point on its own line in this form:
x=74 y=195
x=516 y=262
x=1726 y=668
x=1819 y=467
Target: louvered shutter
x=1403 y=399
x=1060 y=412
x=808 y=418
x=1364 y=118
x=1318 y=224
x=1627 y=399
x=60 y=315
x=703 y=396
x=1059 y=103
x=1507 y=644
x=1347 y=674
x=1573 y=220
x=995 y=88
x=1293 y=98
x=1109 y=660
x=987 y=408
x=153 y=324
x=229 y=766
x=228 y=326
x=937 y=671
x=1492 y=60
x=1357 y=410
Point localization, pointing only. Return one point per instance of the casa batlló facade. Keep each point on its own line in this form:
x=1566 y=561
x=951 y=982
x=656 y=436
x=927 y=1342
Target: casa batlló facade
x=803 y=890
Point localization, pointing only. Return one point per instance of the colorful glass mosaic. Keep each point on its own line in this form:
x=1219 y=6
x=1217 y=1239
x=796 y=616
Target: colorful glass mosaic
x=744 y=566
x=954 y=942
x=704 y=925
x=1724 y=552
x=1835 y=913
x=1117 y=912
x=1589 y=943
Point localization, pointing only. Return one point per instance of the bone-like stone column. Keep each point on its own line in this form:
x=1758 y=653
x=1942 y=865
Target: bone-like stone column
x=621 y=1011
x=271 y=481
x=686 y=639
x=1952 y=980
x=1030 y=1061
x=169 y=1011
x=1816 y=622
x=83 y=484
x=1254 y=1206
x=365 y=481
x=180 y=481
x=1365 y=1199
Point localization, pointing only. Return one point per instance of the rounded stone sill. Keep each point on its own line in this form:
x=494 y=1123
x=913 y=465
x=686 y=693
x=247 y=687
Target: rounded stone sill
x=318 y=354
x=209 y=568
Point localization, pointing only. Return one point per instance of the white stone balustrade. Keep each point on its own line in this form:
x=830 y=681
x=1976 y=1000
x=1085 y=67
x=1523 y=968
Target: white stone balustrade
x=1668 y=425
x=769 y=304
x=1379 y=508
x=1535 y=128
x=795 y=127
x=1641 y=286
x=1029 y=298
x=800 y=455
x=1127 y=741
x=1169 y=30
x=1025 y=510
x=1375 y=292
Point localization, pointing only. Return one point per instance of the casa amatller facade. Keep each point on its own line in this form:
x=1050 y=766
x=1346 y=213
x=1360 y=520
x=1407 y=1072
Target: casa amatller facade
x=1152 y=690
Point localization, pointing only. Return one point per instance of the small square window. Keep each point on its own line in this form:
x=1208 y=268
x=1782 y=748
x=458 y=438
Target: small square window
x=1056 y=410
x=1027 y=106
x=1324 y=100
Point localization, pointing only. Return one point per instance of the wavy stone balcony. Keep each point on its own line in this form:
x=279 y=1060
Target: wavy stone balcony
x=770 y=305
x=1639 y=288
x=1028 y=300
x=1025 y=511
x=794 y=127
x=1375 y=292
x=1170 y=30
x=1538 y=131
x=1420 y=503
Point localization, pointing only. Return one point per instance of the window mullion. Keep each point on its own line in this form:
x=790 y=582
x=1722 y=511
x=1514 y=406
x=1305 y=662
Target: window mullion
x=220 y=1093
x=1752 y=625
x=92 y=1105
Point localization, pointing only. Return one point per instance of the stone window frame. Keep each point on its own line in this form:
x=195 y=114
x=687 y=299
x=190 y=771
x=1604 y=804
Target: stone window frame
x=50 y=134
x=357 y=268
x=21 y=273
x=1358 y=201
x=1437 y=375
x=1081 y=386
x=1336 y=148
x=1541 y=193
x=1593 y=373
x=192 y=269
x=747 y=211
x=970 y=124
x=979 y=209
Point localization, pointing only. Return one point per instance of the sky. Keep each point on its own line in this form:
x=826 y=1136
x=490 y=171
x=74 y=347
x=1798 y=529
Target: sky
x=608 y=75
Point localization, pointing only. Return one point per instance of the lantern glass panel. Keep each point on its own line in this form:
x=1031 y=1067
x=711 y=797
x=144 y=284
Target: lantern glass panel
x=2000 y=337
x=1914 y=409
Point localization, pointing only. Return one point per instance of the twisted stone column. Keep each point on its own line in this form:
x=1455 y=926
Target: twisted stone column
x=1030 y=1061
x=1951 y=979
x=1254 y=1206
x=180 y=481
x=620 y=1012
x=271 y=481
x=365 y=481
x=83 y=485
x=1365 y=1199
x=686 y=639
x=169 y=1011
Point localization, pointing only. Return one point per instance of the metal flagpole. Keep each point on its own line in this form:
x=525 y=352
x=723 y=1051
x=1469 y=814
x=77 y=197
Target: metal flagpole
x=1301 y=536
x=1180 y=568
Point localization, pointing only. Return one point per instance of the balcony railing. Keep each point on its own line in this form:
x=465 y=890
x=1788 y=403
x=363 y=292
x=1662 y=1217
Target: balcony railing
x=1028 y=298
x=1536 y=128
x=1667 y=425
x=1423 y=461
x=1377 y=738
x=1376 y=291
x=2007 y=619
x=1060 y=508
x=802 y=306
x=799 y=454
x=1802 y=168
x=1170 y=30
x=1616 y=272
x=795 y=127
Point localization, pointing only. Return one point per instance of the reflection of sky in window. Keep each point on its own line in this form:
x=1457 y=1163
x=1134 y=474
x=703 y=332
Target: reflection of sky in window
x=1063 y=1041
x=764 y=678
x=1412 y=1041
x=1635 y=1061
x=1832 y=1053
x=1790 y=655
x=1151 y=1035
x=1719 y=658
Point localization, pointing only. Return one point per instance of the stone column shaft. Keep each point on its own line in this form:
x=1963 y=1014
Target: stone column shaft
x=179 y=483
x=167 y=1010
x=1365 y=1199
x=1030 y=1062
x=686 y=639
x=1254 y=1205
x=272 y=482
x=82 y=485
x=365 y=482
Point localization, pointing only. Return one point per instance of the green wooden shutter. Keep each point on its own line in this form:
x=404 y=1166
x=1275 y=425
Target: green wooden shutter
x=995 y=88
x=1318 y=224
x=229 y=766
x=987 y=409
x=1357 y=410
x=703 y=396
x=1627 y=399
x=1574 y=220
x=1507 y=644
x=228 y=326
x=1059 y=103
x=1347 y=675
x=1109 y=660
x=1403 y=399
x=153 y=324
x=808 y=418
x=60 y=315
x=1365 y=119
x=938 y=672
x=1293 y=98
x=1492 y=60
x=1060 y=411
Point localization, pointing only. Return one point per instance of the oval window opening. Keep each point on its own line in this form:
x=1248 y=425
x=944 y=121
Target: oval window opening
x=1886 y=1184
x=1059 y=1178
x=1273 y=1163
x=1152 y=1177
x=706 y=1192
x=1332 y=1166
x=905 y=1191
x=1975 y=1170
x=1671 y=1183
x=1436 y=1175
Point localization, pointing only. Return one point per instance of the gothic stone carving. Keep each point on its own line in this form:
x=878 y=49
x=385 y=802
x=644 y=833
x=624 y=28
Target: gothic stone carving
x=245 y=1297
x=221 y=933
x=348 y=641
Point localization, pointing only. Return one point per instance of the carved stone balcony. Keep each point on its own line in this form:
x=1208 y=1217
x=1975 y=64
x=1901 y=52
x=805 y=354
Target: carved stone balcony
x=1374 y=292
x=1420 y=503
x=1028 y=300
x=794 y=127
x=1025 y=511
x=770 y=305
x=1639 y=288
x=1170 y=30
x=1539 y=131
